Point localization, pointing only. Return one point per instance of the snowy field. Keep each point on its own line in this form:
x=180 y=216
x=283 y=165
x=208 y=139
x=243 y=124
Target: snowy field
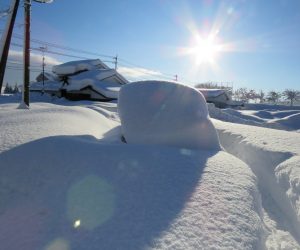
x=68 y=180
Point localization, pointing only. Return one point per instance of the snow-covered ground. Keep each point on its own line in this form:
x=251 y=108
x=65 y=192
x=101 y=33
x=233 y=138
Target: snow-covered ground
x=69 y=182
x=271 y=116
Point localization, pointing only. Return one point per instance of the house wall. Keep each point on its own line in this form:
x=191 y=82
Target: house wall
x=219 y=101
x=85 y=94
x=114 y=79
x=40 y=78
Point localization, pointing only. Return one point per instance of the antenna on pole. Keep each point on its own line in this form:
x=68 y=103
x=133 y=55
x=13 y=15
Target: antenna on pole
x=116 y=62
x=43 y=49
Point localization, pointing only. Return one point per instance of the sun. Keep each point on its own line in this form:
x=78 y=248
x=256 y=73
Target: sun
x=205 y=50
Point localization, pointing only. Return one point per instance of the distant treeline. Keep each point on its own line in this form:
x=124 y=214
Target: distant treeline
x=11 y=90
x=246 y=95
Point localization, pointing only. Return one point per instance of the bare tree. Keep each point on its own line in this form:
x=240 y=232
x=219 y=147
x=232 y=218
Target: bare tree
x=273 y=96
x=261 y=96
x=251 y=95
x=292 y=95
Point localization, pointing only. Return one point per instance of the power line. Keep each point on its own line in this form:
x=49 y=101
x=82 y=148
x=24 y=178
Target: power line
x=125 y=62
x=120 y=61
x=54 y=45
x=51 y=52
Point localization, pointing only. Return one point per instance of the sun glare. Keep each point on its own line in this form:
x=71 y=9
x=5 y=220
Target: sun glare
x=205 y=51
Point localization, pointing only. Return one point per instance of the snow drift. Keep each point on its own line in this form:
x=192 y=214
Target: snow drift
x=68 y=182
x=272 y=118
x=166 y=113
x=273 y=156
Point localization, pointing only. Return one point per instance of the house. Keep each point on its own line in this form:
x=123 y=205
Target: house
x=219 y=97
x=100 y=84
x=83 y=80
x=47 y=77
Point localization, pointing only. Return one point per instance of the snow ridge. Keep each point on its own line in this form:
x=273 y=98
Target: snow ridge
x=278 y=179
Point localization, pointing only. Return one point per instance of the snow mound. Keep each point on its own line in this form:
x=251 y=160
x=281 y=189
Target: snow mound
x=166 y=113
x=288 y=176
x=264 y=114
x=37 y=122
x=96 y=195
x=291 y=121
x=283 y=120
x=273 y=156
x=73 y=67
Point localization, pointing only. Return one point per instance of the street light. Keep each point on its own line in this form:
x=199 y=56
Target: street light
x=27 y=9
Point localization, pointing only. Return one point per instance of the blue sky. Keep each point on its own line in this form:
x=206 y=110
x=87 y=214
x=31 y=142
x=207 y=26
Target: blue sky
x=264 y=37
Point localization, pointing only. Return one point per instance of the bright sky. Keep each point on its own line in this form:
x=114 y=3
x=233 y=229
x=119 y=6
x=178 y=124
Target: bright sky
x=250 y=43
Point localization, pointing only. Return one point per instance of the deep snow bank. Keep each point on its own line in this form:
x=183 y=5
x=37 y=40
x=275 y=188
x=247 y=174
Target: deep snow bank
x=273 y=156
x=284 y=120
x=90 y=194
x=166 y=113
x=72 y=191
x=291 y=121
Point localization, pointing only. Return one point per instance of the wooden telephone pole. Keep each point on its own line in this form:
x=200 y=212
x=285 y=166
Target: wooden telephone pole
x=27 y=13
x=27 y=7
x=6 y=38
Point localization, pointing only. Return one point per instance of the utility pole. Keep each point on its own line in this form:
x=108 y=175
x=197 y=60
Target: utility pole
x=6 y=38
x=116 y=62
x=43 y=49
x=27 y=10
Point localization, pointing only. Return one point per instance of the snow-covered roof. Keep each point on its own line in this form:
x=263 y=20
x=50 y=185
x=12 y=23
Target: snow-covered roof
x=73 y=67
x=212 y=92
x=97 y=74
x=100 y=80
x=48 y=76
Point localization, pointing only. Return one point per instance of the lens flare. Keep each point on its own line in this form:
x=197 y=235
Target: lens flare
x=90 y=202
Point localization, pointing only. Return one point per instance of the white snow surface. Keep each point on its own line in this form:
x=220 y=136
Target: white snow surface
x=273 y=117
x=274 y=157
x=47 y=86
x=47 y=120
x=166 y=113
x=73 y=67
x=68 y=182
